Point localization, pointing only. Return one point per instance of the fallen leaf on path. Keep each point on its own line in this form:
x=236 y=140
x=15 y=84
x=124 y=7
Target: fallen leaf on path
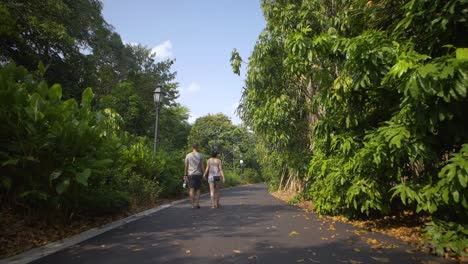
x=293 y=233
x=356 y=250
x=236 y=251
x=300 y=260
x=331 y=228
x=333 y=236
x=252 y=257
x=383 y=260
x=409 y=251
x=355 y=261
x=372 y=241
x=188 y=251
x=153 y=245
x=315 y=261
x=324 y=238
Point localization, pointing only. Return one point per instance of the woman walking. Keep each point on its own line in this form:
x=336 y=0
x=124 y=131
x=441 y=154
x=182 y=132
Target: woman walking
x=214 y=170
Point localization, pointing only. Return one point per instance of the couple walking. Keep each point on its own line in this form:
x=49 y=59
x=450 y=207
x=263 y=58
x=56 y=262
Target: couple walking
x=194 y=169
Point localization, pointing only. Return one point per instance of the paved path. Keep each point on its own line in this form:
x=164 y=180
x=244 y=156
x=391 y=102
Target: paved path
x=251 y=227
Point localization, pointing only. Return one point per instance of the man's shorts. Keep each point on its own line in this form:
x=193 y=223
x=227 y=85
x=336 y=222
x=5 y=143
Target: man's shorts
x=194 y=181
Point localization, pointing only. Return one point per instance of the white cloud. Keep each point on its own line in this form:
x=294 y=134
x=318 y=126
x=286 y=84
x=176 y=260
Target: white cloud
x=163 y=50
x=193 y=87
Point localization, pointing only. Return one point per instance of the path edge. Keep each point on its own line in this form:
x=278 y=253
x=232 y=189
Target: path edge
x=49 y=249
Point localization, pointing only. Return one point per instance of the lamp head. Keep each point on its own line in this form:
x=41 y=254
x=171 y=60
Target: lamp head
x=158 y=94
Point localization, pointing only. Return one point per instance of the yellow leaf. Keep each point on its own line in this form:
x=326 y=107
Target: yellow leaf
x=188 y=251
x=356 y=249
x=293 y=233
x=236 y=251
x=372 y=241
x=324 y=238
x=300 y=260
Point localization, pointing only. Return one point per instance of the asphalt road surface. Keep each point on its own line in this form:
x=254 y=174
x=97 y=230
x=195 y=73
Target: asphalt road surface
x=250 y=227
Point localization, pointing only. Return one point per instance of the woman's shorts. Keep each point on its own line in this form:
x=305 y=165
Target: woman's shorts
x=194 y=181
x=215 y=179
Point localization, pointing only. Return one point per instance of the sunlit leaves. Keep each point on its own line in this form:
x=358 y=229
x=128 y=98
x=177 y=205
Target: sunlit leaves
x=384 y=87
x=236 y=61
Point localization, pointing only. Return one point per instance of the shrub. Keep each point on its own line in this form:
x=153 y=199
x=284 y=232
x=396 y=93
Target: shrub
x=250 y=175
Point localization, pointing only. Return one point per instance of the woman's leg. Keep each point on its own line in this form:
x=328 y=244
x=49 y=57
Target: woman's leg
x=212 y=193
x=217 y=195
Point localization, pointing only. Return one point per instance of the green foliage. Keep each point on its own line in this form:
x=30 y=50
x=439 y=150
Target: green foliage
x=102 y=201
x=448 y=235
x=60 y=148
x=59 y=154
x=366 y=101
x=232 y=178
x=125 y=101
x=236 y=61
x=250 y=175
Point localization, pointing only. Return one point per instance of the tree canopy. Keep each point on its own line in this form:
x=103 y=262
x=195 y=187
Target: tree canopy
x=378 y=87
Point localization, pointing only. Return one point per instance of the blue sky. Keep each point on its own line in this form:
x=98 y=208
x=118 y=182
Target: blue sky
x=199 y=35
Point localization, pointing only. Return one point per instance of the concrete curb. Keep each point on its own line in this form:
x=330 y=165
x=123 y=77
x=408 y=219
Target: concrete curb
x=40 y=252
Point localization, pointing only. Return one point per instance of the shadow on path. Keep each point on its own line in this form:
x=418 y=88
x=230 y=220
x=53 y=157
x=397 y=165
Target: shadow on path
x=251 y=227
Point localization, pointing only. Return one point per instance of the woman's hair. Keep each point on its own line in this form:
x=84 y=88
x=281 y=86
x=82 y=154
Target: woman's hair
x=214 y=153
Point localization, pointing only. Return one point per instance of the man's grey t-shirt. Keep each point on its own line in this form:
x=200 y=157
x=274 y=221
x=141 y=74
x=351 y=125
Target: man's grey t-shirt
x=194 y=161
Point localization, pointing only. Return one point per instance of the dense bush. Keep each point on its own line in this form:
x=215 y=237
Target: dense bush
x=59 y=154
x=250 y=175
x=372 y=95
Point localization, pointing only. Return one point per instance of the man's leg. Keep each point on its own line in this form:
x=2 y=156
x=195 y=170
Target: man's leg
x=197 y=198
x=191 y=193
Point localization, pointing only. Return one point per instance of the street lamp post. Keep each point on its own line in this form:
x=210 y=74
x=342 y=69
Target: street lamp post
x=241 y=164
x=158 y=95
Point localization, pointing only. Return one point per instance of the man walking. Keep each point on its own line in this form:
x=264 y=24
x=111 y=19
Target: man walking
x=194 y=169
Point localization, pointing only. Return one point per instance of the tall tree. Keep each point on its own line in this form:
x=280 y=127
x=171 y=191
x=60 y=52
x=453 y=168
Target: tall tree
x=379 y=88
